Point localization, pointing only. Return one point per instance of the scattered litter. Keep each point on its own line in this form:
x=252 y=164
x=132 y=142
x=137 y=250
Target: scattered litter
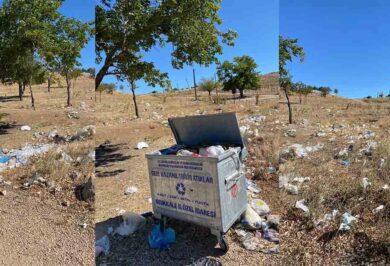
x=386 y=187
x=73 y=115
x=270 y=235
x=292 y=189
x=273 y=221
x=283 y=181
x=378 y=209
x=84 y=133
x=243 y=129
x=161 y=239
x=184 y=152
x=297 y=150
x=368 y=134
x=131 y=223
x=369 y=149
x=141 y=145
x=250 y=243
x=365 y=183
x=300 y=204
x=4 y=158
x=252 y=186
x=84 y=225
x=252 y=219
x=271 y=169
x=102 y=245
x=321 y=134
x=25 y=153
x=131 y=190
x=331 y=216
x=291 y=133
x=256 y=118
x=212 y=151
x=345 y=163
x=260 y=207
x=346 y=222
x=273 y=250
x=300 y=179
x=3 y=192
x=25 y=128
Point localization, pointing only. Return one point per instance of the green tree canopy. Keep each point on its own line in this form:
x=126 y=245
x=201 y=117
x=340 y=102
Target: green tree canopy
x=126 y=29
x=239 y=75
x=35 y=30
x=208 y=85
x=288 y=49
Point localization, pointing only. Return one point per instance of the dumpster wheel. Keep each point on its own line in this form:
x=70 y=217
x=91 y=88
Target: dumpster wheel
x=223 y=244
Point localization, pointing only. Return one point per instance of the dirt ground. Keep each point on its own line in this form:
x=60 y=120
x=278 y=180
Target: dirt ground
x=38 y=227
x=120 y=165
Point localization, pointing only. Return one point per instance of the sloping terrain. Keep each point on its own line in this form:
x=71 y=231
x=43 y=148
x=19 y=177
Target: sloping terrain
x=307 y=152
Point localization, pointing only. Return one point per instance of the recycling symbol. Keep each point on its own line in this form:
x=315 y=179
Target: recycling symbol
x=181 y=189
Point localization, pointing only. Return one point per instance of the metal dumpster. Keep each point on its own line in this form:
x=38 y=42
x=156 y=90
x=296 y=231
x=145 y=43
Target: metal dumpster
x=208 y=191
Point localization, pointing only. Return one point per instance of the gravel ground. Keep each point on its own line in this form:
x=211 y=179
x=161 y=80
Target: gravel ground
x=34 y=232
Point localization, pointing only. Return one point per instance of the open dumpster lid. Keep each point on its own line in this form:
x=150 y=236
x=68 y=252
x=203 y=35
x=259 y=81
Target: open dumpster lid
x=206 y=130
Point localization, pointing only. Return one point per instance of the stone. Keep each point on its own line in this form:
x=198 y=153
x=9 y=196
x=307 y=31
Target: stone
x=88 y=190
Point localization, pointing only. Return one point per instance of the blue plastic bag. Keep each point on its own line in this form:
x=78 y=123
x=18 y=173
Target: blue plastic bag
x=4 y=159
x=161 y=239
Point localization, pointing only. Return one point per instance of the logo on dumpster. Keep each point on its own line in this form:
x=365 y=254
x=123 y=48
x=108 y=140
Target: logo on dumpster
x=181 y=189
x=234 y=190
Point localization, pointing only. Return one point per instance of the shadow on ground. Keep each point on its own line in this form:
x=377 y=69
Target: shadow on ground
x=4 y=99
x=107 y=155
x=5 y=127
x=192 y=243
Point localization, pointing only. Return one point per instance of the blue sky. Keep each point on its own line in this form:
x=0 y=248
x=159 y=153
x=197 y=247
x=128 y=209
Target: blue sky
x=83 y=10
x=346 y=43
x=257 y=24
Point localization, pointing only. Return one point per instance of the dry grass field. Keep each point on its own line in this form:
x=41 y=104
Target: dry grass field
x=332 y=123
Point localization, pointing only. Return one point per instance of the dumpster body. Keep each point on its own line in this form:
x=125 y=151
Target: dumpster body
x=208 y=191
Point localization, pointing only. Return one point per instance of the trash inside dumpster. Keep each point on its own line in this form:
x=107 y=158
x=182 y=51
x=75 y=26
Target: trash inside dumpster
x=201 y=179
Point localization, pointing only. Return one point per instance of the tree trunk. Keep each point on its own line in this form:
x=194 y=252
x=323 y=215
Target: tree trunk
x=289 y=107
x=241 y=93
x=193 y=75
x=32 y=97
x=68 y=85
x=20 y=91
x=134 y=98
x=102 y=72
x=24 y=87
x=48 y=84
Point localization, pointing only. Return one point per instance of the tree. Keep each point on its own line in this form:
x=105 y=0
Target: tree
x=105 y=87
x=288 y=48
x=336 y=91
x=208 y=85
x=134 y=70
x=35 y=32
x=24 y=27
x=325 y=91
x=239 y=75
x=126 y=29
x=70 y=37
x=299 y=88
